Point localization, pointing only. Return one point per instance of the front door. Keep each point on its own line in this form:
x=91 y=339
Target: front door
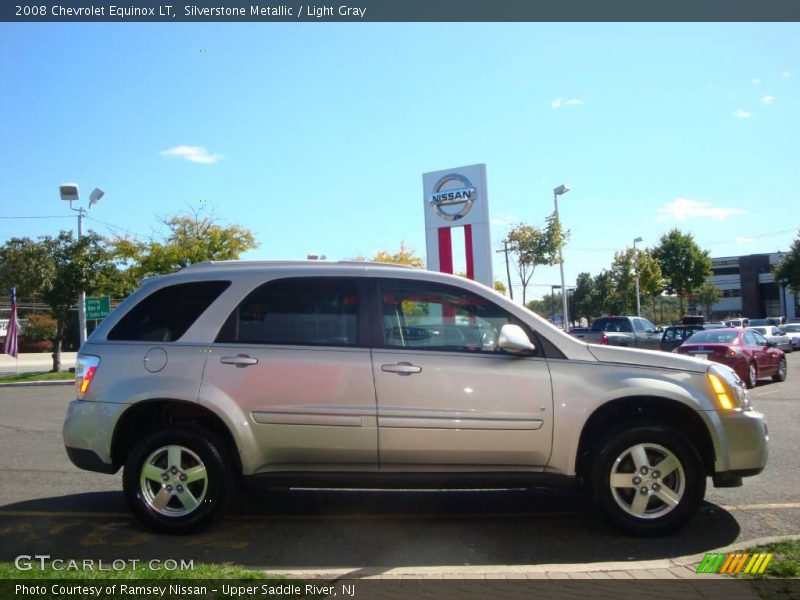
x=447 y=395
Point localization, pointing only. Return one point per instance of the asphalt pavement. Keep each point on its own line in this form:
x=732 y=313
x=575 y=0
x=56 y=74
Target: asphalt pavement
x=49 y=506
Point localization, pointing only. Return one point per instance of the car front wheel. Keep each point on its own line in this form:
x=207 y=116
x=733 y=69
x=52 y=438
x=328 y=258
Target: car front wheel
x=648 y=479
x=176 y=480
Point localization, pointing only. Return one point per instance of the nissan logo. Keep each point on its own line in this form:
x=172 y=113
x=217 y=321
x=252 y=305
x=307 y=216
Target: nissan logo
x=453 y=196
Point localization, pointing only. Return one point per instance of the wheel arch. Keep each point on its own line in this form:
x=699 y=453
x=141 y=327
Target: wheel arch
x=152 y=415
x=643 y=408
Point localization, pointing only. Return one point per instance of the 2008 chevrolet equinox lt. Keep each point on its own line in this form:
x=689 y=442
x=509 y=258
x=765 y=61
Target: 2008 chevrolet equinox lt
x=367 y=375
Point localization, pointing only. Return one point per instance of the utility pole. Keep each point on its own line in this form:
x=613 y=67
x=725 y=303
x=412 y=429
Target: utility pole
x=508 y=270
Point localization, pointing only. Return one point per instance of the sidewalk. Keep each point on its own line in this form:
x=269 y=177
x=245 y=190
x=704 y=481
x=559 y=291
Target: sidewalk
x=29 y=362
x=683 y=567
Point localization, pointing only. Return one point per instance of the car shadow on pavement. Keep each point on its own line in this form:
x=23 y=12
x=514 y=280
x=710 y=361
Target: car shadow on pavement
x=308 y=529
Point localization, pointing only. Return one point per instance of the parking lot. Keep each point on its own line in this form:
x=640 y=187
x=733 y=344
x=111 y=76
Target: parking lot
x=48 y=506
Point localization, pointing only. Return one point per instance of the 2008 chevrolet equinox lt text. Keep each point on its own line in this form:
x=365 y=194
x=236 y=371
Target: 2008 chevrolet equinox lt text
x=365 y=375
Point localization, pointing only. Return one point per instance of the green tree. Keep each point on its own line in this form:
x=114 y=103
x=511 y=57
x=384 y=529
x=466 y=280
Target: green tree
x=189 y=238
x=787 y=271
x=651 y=281
x=684 y=265
x=57 y=269
x=708 y=294
x=404 y=256
x=585 y=298
x=531 y=247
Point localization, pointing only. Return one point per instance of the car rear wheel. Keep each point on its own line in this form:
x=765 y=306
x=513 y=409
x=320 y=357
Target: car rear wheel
x=752 y=376
x=176 y=480
x=648 y=479
x=780 y=375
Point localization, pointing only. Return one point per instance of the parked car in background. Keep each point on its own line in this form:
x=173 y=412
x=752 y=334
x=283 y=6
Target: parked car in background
x=633 y=332
x=793 y=331
x=745 y=351
x=714 y=324
x=675 y=335
x=739 y=322
x=777 y=321
x=775 y=335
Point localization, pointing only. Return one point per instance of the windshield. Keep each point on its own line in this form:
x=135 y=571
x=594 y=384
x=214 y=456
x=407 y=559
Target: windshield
x=713 y=337
x=791 y=328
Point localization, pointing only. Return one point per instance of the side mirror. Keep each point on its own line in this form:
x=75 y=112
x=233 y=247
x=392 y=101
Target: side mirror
x=514 y=339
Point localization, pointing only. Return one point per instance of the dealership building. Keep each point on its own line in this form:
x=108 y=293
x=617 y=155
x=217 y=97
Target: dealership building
x=749 y=289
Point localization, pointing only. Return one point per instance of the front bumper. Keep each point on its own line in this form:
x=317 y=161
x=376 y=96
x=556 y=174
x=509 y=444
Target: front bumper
x=88 y=434
x=744 y=443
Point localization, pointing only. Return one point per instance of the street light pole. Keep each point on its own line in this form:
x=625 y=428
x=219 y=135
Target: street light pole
x=560 y=191
x=636 y=270
x=70 y=193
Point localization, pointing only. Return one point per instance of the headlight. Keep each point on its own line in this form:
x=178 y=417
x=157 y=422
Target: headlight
x=728 y=390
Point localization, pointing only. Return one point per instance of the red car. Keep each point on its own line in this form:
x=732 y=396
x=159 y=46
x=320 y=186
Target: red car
x=746 y=352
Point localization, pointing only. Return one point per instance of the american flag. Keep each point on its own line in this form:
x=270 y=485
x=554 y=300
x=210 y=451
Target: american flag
x=11 y=345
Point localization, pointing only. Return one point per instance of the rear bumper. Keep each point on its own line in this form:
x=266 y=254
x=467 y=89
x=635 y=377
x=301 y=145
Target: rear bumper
x=89 y=461
x=89 y=432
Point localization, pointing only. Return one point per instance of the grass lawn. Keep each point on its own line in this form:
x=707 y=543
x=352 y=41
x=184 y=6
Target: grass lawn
x=39 y=376
x=785 y=560
x=139 y=571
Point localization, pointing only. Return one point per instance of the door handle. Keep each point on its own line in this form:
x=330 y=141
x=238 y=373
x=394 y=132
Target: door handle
x=240 y=360
x=402 y=368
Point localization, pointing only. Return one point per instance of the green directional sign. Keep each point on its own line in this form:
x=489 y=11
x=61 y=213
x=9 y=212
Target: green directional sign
x=98 y=308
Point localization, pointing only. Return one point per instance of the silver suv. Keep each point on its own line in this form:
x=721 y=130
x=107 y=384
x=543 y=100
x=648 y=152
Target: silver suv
x=367 y=375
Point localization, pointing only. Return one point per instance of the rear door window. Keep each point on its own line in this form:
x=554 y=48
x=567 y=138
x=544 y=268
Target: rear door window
x=166 y=314
x=304 y=311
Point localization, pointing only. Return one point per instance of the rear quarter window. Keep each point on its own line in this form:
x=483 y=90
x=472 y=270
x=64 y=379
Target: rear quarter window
x=166 y=314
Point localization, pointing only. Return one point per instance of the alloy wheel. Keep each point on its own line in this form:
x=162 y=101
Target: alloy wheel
x=173 y=481
x=647 y=481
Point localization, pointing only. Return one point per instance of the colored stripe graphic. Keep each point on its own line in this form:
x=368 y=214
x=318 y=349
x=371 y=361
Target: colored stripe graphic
x=733 y=563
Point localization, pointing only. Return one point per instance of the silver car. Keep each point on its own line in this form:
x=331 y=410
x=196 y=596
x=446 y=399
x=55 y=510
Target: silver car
x=366 y=375
x=775 y=335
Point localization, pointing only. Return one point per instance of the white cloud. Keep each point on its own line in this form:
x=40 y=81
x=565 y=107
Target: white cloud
x=574 y=102
x=786 y=74
x=741 y=113
x=196 y=154
x=556 y=104
x=755 y=81
x=682 y=209
x=745 y=240
x=768 y=100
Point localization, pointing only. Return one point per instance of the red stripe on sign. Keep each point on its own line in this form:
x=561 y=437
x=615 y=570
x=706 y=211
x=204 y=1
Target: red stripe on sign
x=445 y=251
x=468 y=251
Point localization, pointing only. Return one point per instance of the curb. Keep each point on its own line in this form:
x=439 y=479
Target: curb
x=38 y=383
x=512 y=571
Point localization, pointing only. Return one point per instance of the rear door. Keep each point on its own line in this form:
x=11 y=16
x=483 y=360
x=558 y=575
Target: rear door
x=294 y=357
x=447 y=396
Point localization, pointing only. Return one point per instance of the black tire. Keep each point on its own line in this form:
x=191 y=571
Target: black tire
x=781 y=374
x=201 y=456
x=647 y=514
x=752 y=376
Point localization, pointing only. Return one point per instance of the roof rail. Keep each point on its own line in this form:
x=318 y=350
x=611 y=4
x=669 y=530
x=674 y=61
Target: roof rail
x=216 y=264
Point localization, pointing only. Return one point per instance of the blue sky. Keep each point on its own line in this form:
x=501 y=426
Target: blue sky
x=316 y=135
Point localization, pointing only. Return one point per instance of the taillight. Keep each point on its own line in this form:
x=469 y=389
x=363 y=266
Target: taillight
x=604 y=339
x=731 y=352
x=85 y=369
